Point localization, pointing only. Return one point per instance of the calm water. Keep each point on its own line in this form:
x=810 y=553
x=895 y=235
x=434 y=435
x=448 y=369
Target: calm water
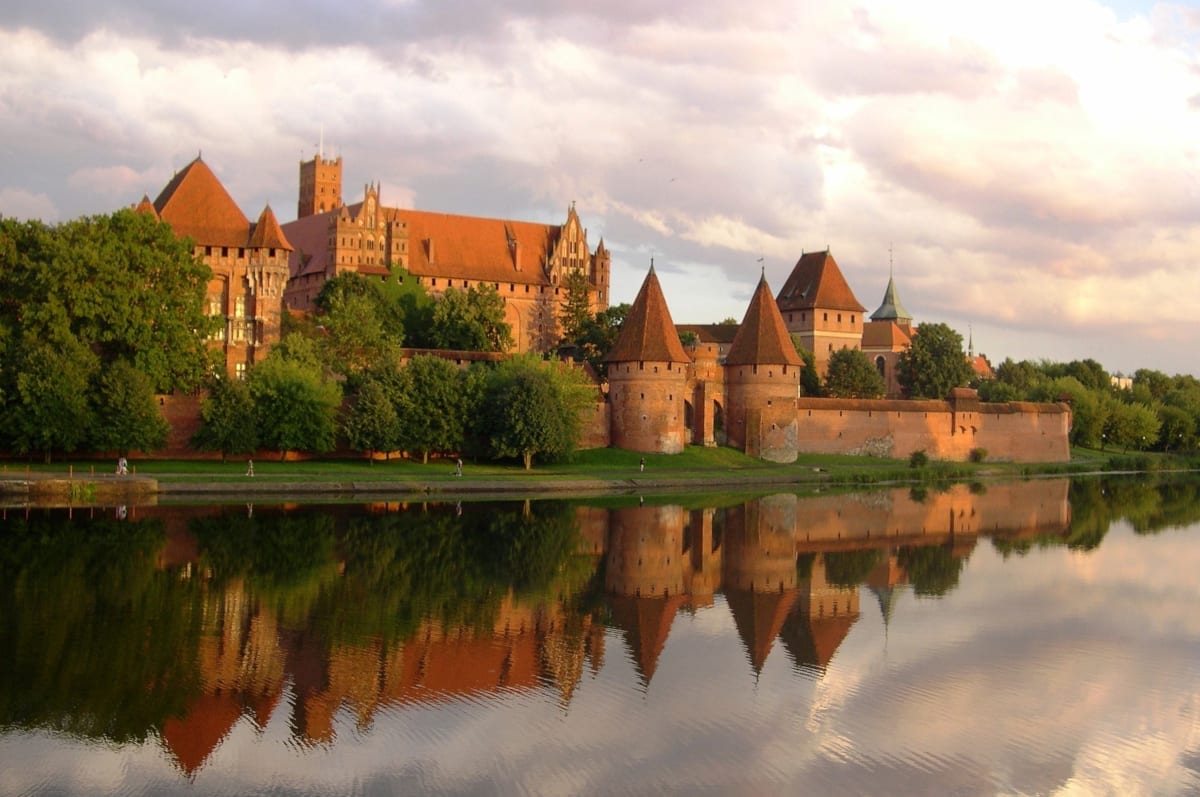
x=1035 y=638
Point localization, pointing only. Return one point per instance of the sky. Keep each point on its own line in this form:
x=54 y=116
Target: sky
x=1029 y=171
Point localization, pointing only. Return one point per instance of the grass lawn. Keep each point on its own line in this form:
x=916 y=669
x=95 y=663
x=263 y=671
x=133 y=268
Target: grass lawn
x=694 y=463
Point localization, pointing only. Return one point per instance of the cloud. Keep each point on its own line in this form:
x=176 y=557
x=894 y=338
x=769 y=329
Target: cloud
x=991 y=148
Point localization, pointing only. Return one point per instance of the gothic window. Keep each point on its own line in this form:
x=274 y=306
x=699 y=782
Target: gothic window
x=240 y=370
x=239 y=307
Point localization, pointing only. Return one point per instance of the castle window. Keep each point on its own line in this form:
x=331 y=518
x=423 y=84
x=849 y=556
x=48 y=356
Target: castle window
x=839 y=318
x=851 y=320
x=239 y=371
x=433 y=281
x=527 y=289
x=824 y=316
x=512 y=288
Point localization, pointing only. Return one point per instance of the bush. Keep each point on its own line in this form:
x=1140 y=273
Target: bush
x=977 y=454
x=918 y=459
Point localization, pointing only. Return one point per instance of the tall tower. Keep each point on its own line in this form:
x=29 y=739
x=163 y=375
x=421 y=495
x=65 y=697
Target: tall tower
x=320 y=186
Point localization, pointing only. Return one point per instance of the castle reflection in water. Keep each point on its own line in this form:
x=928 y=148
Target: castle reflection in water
x=790 y=570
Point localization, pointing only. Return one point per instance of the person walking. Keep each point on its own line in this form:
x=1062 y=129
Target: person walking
x=250 y=467
x=642 y=465
x=458 y=468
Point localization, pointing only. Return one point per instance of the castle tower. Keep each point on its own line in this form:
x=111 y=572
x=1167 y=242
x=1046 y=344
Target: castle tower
x=647 y=376
x=886 y=335
x=249 y=262
x=762 y=380
x=818 y=305
x=320 y=186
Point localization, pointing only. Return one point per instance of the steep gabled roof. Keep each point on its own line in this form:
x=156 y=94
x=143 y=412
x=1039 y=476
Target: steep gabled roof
x=647 y=333
x=471 y=247
x=816 y=281
x=891 y=309
x=195 y=204
x=309 y=238
x=762 y=338
x=145 y=206
x=267 y=233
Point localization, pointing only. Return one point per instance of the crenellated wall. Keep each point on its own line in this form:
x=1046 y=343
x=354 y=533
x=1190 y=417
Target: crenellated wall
x=1013 y=432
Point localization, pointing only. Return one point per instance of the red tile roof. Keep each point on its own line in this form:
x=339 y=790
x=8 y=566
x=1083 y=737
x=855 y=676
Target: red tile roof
x=309 y=237
x=145 y=206
x=267 y=233
x=763 y=337
x=887 y=335
x=471 y=247
x=195 y=204
x=647 y=333
x=816 y=281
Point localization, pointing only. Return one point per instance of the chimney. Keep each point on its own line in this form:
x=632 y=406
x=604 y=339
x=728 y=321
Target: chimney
x=429 y=248
x=516 y=248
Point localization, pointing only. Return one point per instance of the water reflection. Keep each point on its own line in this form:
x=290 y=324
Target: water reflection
x=172 y=625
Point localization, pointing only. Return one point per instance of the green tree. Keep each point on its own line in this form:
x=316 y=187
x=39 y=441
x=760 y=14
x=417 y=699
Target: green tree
x=1089 y=408
x=577 y=306
x=851 y=375
x=534 y=408
x=372 y=425
x=470 y=320
x=227 y=419
x=597 y=336
x=431 y=406
x=934 y=363
x=125 y=412
x=1177 y=429
x=810 y=380
x=132 y=290
x=295 y=406
x=49 y=409
x=1131 y=426
x=355 y=337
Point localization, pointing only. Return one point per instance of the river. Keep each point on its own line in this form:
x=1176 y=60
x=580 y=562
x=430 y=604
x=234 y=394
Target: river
x=1037 y=637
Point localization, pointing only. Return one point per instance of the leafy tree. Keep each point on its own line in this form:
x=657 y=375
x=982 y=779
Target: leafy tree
x=1177 y=429
x=996 y=391
x=1089 y=408
x=599 y=333
x=1155 y=382
x=372 y=424
x=295 y=406
x=1131 y=425
x=355 y=337
x=126 y=415
x=227 y=419
x=470 y=320
x=531 y=407
x=934 y=363
x=431 y=406
x=49 y=409
x=810 y=379
x=851 y=375
x=689 y=338
x=577 y=307
x=132 y=290
x=729 y=321
x=1021 y=376
x=1090 y=374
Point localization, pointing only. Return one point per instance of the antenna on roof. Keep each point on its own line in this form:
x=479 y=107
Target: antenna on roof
x=764 y=269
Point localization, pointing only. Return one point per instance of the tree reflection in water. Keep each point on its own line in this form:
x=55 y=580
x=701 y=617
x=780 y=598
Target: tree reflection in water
x=176 y=622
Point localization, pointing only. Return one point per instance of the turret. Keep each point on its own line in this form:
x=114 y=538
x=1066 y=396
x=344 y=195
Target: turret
x=647 y=376
x=762 y=380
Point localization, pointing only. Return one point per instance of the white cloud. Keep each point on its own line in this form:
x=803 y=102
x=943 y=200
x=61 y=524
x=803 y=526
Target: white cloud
x=1033 y=166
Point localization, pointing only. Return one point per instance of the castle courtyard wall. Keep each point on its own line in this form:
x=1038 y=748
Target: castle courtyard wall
x=1008 y=432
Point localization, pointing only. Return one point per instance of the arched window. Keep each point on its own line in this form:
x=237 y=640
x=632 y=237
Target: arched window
x=881 y=365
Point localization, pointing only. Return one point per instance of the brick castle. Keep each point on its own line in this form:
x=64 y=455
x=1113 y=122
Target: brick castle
x=741 y=391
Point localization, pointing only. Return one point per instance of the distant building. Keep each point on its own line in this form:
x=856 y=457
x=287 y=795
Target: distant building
x=527 y=263
x=249 y=261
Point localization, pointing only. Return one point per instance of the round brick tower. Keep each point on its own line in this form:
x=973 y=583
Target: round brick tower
x=647 y=377
x=762 y=380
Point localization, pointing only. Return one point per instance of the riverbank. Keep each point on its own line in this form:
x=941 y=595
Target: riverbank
x=597 y=471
